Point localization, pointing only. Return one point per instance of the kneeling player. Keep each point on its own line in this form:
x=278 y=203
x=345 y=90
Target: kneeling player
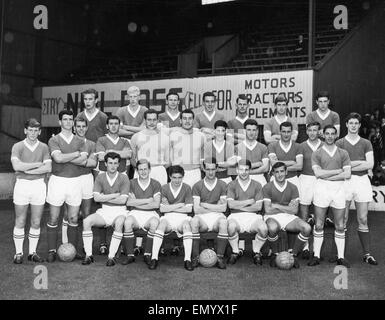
x=111 y=189
x=244 y=196
x=209 y=196
x=281 y=201
x=176 y=205
x=143 y=201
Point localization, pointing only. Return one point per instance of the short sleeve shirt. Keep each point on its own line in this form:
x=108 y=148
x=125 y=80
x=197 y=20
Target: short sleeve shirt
x=183 y=195
x=170 y=121
x=331 y=118
x=290 y=154
x=144 y=192
x=96 y=124
x=103 y=184
x=209 y=194
x=273 y=124
x=91 y=149
x=307 y=151
x=235 y=191
x=280 y=195
x=107 y=143
x=202 y=120
x=221 y=154
x=127 y=117
x=337 y=160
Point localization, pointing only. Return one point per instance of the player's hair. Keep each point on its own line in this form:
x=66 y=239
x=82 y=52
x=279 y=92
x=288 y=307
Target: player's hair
x=211 y=160
x=330 y=126
x=65 y=112
x=112 y=155
x=112 y=118
x=90 y=91
x=133 y=89
x=312 y=124
x=208 y=94
x=188 y=111
x=280 y=98
x=220 y=123
x=353 y=115
x=286 y=124
x=143 y=161
x=250 y=122
x=150 y=111
x=244 y=162
x=172 y=93
x=243 y=97
x=322 y=94
x=32 y=123
x=175 y=169
x=278 y=165
x=80 y=119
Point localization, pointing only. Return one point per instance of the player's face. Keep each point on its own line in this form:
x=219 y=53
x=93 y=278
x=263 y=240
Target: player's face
x=112 y=165
x=353 y=125
x=242 y=107
x=281 y=108
x=209 y=104
x=67 y=122
x=113 y=126
x=81 y=128
x=143 y=171
x=243 y=172
x=312 y=133
x=173 y=102
x=151 y=121
x=220 y=133
x=89 y=100
x=210 y=170
x=323 y=103
x=280 y=174
x=286 y=134
x=251 y=132
x=176 y=180
x=32 y=133
x=330 y=136
x=133 y=98
x=187 y=121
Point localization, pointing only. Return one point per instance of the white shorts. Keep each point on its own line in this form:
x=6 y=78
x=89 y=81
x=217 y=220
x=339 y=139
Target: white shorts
x=359 y=189
x=175 y=221
x=87 y=183
x=158 y=173
x=259 y=178
x=142 y=217
x=306 y=189
x=227 y=180
x=329 y=194
x=110 y=213
x=66 y=190
x=245 y=220
x=283 y=219
x=191 y=177
x=210 y=219
x=294 y=180
x=28 y=192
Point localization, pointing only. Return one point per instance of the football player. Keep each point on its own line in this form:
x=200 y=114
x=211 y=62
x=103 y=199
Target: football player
x=237 y=124
x=171 y=117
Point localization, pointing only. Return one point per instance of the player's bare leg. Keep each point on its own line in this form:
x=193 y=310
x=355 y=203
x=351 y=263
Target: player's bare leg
x=52 y=231
x=339 y=235
x=233 y=230
x=18 y=231
x=220 y=227
x=94 y=220
x=273 y=228
x=197 y=226
x=34 y=233
x=304 y=230
x=130 y=225
x=151 y=225
x=363 y=231
x=260 y=228
x=116 y=239
x=162 y=228
x=318 y=234
x=304 y=215
x=185 y=229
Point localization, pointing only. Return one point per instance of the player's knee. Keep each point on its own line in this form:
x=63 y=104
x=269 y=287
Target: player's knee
x=263 y=230
x=231 y=228
x=222 y=225
x=362 y=221
x=128 y=223
x=153 y=224
x=306 y=229
x=73 y=220
x=35 y=223
x=87 y=224
x=186 y=227
x=119 y=223
x=194 y=224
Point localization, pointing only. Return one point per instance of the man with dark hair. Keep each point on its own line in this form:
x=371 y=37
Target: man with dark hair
x=68 y=153
x=111 y=189
x=237 y=124
x=31 y=161
x=271 y=131
x=96 y=118
x=176 y=206
x=281 y=199
x=170 y=117
x=358 y=187
x=331 y=166
x=244 y=197
x=210 y=204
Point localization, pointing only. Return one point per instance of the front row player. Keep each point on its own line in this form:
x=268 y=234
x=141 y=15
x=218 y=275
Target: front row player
x=176 y=206
x=111 y=190
x=244 y=197
x=31 y=162
x=281 y=201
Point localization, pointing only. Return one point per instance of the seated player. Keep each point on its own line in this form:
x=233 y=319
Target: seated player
x=143 y=202
x=176 y=206
x=281 y=201
x=209 y=196
x=31 y=161
x=111 y=190
x=244 y=197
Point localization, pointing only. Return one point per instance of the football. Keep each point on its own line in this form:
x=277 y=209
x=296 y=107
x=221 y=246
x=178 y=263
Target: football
x=208 y=258
x=66 y=252
x=284 y=260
